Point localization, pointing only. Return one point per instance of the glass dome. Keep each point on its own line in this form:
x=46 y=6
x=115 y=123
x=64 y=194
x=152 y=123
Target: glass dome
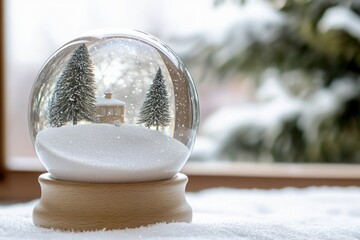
x=113 y=108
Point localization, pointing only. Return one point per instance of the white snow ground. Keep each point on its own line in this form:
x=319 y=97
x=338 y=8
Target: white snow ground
x=105 y=153
x=296 y=214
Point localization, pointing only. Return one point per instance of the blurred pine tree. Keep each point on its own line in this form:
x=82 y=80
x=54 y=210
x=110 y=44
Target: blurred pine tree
x=334 y=53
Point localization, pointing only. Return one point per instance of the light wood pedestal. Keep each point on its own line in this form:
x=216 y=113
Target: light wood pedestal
x=83 y=206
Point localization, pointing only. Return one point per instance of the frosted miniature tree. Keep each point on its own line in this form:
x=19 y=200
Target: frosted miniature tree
x=74 y=96
x=155 y=110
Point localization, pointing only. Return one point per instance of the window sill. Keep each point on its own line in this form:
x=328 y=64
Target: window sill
x=285 y=170
x=269 y=175
x=20 y=182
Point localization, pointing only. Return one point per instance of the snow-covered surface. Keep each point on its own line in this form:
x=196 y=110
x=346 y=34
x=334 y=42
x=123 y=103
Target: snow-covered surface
x=102 y=101
x=105 y=153
x=340 y=18
x=312 y=213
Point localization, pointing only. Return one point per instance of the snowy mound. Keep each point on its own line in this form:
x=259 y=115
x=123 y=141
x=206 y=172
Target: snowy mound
x=105 y=153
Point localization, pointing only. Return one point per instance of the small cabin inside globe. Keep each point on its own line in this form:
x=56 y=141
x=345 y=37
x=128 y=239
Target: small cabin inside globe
x=110 y=110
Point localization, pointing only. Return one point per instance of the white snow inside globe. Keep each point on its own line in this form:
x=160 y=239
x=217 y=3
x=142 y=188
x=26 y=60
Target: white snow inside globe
x=113 y=108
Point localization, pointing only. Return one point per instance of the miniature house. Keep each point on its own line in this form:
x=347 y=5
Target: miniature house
x=110 y=110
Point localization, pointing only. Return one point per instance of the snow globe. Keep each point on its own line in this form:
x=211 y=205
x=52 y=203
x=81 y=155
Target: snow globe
x=113 y=118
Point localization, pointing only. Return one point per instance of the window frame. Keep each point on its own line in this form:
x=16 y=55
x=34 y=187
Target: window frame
x=19 y=183
x=2 y=92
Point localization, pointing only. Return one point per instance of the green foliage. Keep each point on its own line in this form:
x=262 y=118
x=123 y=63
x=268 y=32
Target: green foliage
x=299 y=45
x=74 y=95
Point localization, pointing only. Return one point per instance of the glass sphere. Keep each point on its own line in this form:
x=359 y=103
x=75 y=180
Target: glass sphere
x=113 y=108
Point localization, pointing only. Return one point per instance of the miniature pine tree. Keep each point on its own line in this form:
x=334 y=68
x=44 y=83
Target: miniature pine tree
x=155 y=110
x=74 y=95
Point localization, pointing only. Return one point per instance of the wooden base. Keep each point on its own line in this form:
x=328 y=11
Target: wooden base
x=83 y=206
